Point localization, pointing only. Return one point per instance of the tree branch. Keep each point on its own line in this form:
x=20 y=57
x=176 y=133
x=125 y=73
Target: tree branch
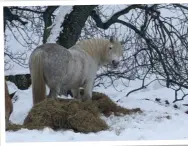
x=26 y=9
x=180 y=6
x=115 y=17
x=10 y=17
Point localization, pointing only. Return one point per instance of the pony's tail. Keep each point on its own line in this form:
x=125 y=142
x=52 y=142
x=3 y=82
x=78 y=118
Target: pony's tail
x=37 y=77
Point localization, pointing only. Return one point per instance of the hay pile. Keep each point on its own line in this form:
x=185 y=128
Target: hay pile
x=73 y=114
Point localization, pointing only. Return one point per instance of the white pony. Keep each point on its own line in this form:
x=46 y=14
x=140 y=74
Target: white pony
x=69 y=69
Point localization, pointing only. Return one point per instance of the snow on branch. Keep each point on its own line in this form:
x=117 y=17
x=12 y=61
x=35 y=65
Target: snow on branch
x=56 y=26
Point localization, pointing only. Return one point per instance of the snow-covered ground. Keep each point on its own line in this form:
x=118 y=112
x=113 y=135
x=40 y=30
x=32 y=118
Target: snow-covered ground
x=157 y=122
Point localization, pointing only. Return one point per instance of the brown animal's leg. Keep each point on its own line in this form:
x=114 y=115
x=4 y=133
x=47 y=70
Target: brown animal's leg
x=8 y=105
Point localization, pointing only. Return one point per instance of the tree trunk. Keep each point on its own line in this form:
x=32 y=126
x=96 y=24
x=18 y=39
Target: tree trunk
x=73 y=24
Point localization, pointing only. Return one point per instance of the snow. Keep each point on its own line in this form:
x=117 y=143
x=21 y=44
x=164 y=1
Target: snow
x=12 y=87
x=157 y=122
x=17 y=70
x=56 y=26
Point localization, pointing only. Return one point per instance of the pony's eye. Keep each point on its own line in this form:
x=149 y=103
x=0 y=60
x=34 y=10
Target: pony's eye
x=110 y=48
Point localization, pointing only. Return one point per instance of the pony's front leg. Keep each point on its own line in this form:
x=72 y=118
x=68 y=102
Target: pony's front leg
x=88 y=91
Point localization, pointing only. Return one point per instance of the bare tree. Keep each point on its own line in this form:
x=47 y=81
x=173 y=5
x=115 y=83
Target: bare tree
x=154 y=38
x=25 y=25
x=160 y=44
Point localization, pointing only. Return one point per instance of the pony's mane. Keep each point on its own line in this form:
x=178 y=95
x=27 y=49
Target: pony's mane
x=95 y=47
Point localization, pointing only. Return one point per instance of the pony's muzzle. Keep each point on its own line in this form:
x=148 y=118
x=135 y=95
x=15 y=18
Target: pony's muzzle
x=115 y=63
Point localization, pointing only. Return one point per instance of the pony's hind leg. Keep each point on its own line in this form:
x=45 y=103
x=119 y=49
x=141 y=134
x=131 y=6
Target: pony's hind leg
x=54 y=92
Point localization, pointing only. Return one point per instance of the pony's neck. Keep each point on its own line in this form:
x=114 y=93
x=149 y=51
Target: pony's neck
x=96 y=48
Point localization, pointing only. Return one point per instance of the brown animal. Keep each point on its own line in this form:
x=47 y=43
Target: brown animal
x=8 y=105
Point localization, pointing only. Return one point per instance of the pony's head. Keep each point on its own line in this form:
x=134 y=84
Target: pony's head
x=114 y=52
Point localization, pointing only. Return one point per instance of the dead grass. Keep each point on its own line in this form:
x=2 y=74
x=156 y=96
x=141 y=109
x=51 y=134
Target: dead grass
x=73 y=114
